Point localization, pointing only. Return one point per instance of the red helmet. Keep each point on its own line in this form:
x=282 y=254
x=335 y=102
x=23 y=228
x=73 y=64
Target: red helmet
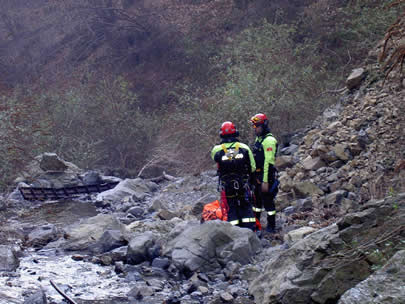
x=228 y=128
x=259 y=119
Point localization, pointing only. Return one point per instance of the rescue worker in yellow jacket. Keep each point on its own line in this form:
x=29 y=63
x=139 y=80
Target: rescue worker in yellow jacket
x=266 y=182
x=235 y=165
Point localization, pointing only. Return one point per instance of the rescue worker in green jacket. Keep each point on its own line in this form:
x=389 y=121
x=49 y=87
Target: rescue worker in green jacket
x=235 y=165
x=266 y=182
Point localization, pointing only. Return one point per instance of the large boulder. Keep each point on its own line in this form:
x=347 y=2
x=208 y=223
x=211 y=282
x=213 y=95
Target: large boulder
x=355 y=78
x=326 y=263
x=387 y=285
x=49 y=170
x=286 y=275
x=210 y=246
x=86 y=234
x=42 y=235
x=140 y=248
x=127 y=188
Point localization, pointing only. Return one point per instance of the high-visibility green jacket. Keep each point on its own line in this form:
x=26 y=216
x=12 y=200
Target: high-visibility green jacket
x=264 y=151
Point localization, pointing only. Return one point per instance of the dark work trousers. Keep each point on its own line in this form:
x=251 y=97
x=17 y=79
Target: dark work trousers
x=240 y=212
x=264 y=201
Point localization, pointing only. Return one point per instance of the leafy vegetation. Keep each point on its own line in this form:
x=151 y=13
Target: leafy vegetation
x=186 y=71
x=286 y=70
x=92 y=125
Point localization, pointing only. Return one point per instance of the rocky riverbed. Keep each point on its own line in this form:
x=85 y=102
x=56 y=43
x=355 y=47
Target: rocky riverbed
x=340 y=215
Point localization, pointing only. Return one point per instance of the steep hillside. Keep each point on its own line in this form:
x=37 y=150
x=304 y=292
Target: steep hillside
x=82 y=76
x=143 y=241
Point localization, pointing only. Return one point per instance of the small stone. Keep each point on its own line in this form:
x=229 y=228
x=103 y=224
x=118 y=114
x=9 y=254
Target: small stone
x=203 y=290
x=355 y=78
x=226 y=297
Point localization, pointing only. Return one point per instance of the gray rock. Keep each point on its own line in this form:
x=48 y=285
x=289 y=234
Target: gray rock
x=41 y=236
x=304 y=204
x=139 y=196
x=363 y=138
x=199 y=205
x=138 y=248
x=49 y=166
x=313 y=163
x=162 y=263
x=86 y=234
x=283 y=162
x=165 y=214
x=342 y=152
x=91 y=178
x=140 y=291
x=16 y=194
x=317 y=269
x=306 y=188
x=109 y=240
x=136 y=211
x=289 y=210
x=52 y=162
x=212 y=245
x=283 y=276
x=126 y=188
x=298 y=234
x=355 y=78
x=8 y=259
x=331 y=114
x=387 y=285
x=290 y=150
x=335 y=198
x=39 y=297
x=118 y=254
x=226 y=297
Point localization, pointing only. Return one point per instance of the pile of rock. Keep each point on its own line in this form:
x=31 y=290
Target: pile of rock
x=348 y=156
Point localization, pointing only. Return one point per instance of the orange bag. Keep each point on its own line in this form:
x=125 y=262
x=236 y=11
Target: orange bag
x=214 y=211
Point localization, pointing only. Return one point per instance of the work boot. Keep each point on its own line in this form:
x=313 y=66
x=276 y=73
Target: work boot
x=259 y=234
x=270 y=230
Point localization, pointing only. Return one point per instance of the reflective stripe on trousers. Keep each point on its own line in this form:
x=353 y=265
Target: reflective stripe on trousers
x=271 y=212
x=249 y=220
x=255 y=209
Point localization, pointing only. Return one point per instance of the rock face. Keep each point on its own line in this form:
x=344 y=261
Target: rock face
x=328 y=262
x=387 y=285
x=211 y=246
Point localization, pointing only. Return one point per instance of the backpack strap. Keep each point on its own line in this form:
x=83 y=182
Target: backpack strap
x=265 y=136
x=226 y=150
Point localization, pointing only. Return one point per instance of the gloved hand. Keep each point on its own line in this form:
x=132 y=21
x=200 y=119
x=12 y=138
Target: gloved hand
x=265 y=187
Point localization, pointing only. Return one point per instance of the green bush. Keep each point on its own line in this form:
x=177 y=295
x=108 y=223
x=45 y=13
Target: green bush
x=92 y=125
x=284 y=70
x=24 y=133
x=265 y=71
x=100 y=124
